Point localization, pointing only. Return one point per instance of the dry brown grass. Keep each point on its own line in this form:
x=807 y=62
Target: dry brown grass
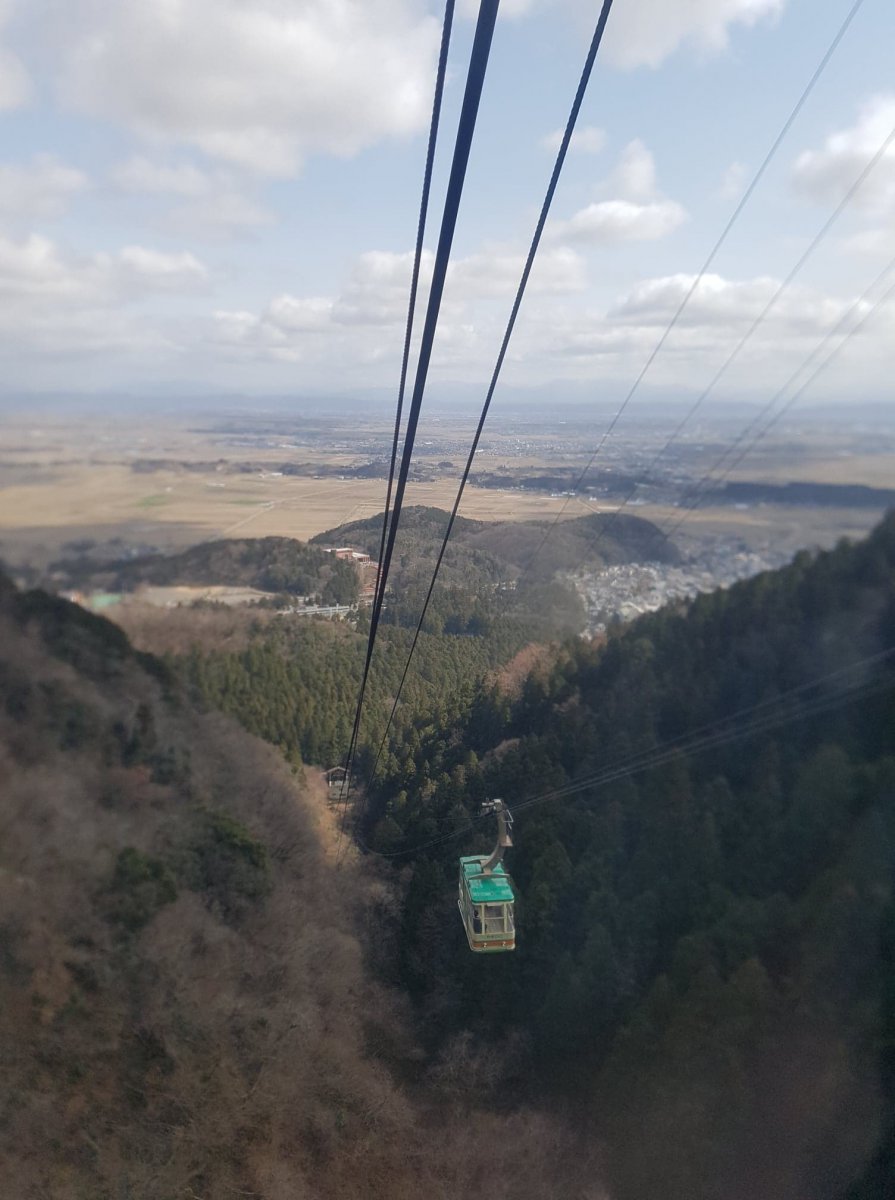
x=210 y=1051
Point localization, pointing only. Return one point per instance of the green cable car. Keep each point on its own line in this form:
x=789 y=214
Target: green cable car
x=486 y=892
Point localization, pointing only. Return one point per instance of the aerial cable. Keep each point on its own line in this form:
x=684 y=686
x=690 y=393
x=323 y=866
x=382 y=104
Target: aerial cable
x=753 y=328
x=661 y=757
x=716 y=726
x=699 y=488
x=813 y=708
x=796 y=268
x=474 y=83
x=703 y=270
x=707 y=737
x=508 y=333
x=411 y=308
x=706 y=392
x=417 y=259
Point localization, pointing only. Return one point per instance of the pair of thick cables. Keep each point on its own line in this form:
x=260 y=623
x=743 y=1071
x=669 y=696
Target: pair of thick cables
x=806 y=92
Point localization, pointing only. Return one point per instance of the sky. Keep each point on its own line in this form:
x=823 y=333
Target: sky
x=220 y=196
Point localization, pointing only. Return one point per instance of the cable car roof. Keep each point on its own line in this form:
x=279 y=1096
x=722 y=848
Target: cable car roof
x=495 y=888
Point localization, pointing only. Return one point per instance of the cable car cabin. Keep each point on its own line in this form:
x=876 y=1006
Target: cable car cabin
x=486 y=905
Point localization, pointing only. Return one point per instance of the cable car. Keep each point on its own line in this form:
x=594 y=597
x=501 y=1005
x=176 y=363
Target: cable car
x=486 y=892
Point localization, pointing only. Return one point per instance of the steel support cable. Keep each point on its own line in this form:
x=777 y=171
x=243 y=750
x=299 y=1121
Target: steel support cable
x=441 y=73
x=818 y=349
x=474 y=82
x=508 y=333
x=687 y=750
x=714 y=727
x=753 y=328
x=744 y=200
x=771 y=721
x=704 y=736
x=697 y=489
x=784 y=408
x=815 y=242
x=417 y=259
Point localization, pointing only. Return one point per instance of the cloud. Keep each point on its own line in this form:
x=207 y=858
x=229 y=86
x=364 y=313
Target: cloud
x=718 y=302
x=634 y=178
x=139 y=174
x=645 y=32
x=15 y=84
x=496 y=271
x=637 y=211
x=259 y=84
x=35 y=270
x=827 y=173
x=153 y=270
x=374 y=298
x=214 y=207
x=310 y=314
x=40 y=190
x=732 y=182
x=586 y=140
x=509 y=8
x=60 y=304
x=620 y=220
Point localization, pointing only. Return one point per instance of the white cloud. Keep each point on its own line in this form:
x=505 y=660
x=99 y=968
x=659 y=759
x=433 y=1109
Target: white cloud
x=878 y=242
x=826 y=174
x=732 y=182
x=496 y=271
x=256 y=83
x=374 y=299
x=508 y=8
x=35 y=270
x=621 y=220
x=139 y=174
x=310 y=314
x=56 y=303
x=378 y=288
x=222 y=216
x=15 y=84
x=153 y=270
x=213 y=205
x=637 y=212
x=586 y=140
x=634 y=178
x=645 y=32
x=719 y=302
x=39 y=190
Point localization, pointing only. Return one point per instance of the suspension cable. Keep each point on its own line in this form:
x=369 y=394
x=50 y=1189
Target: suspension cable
x=474 y=83
x=703 y=270
x=441 y=73
x=417 y=259
x=753 y=328
x=508 y=333
x=711 y=736
x=699 y=489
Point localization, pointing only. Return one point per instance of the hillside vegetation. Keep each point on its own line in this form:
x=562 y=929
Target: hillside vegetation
x=702 y=1002
x=705 y=959
x=535 y=549
x=271 y=564
x=184 y=1005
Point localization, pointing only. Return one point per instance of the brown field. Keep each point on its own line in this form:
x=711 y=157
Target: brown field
x=62 y=480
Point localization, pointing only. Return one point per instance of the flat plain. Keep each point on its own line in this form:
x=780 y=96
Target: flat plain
x=170 y=482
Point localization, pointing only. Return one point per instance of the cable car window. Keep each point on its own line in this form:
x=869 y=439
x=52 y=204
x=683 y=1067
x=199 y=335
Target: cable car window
x=494 y=918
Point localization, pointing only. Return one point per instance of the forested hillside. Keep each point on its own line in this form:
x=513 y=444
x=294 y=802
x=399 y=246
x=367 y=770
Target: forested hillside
x=703 y=994
x=271 y=564
x=185 y=1009
x=534 y=549
x=705 y=947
